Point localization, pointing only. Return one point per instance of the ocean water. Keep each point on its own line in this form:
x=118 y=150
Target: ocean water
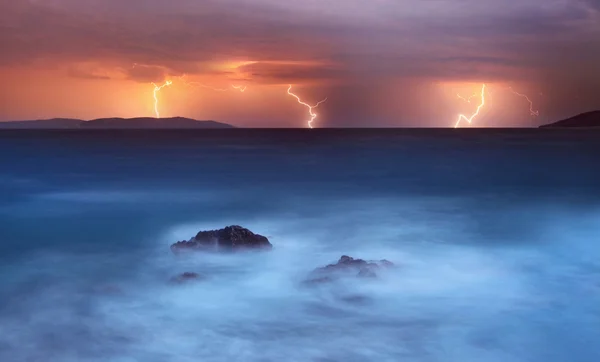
x=495 y=235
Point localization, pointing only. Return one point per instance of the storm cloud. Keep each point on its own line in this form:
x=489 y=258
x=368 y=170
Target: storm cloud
x=338 y=46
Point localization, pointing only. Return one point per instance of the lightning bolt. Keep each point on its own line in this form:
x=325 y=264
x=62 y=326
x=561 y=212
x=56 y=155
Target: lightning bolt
x=470 y=119
x=198 y=84
x=239 y=87
x=310 y=108
x=531 y=111
x=156 y=90
x=468 y=100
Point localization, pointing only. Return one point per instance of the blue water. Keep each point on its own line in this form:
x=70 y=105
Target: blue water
x=496 y=235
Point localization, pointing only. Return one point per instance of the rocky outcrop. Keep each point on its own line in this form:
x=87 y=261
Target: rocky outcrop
x=231 y=238
x=186 y=277
x=347 y=267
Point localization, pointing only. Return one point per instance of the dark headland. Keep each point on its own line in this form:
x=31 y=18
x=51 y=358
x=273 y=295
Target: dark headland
x=583 y=120
x=115 y=123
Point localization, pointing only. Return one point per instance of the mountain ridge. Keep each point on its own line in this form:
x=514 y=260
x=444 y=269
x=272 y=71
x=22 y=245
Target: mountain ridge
x=583 y=120
x=115 y=123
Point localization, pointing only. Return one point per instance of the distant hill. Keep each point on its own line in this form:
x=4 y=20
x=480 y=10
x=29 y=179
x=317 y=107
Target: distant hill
x=54 y=123
x=584 y=120
x=115 y=123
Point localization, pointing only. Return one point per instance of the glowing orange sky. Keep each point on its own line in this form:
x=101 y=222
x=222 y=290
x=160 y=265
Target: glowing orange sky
x=379 y=63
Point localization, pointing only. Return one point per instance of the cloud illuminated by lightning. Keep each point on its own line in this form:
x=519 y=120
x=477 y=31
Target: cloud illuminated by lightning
x=470 y=119
x=156 y=90
x=310 y=108
x=531 y=111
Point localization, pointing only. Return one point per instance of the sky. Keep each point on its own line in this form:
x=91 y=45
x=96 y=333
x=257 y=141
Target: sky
x=378 y=63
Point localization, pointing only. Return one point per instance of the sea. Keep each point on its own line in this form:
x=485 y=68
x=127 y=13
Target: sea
x=495 y=237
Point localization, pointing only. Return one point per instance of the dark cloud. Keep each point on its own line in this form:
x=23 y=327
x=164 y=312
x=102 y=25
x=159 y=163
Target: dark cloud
x=269 y=72
x=221 y=32
x=147 y=73
x=77 y=72
x=149 y=38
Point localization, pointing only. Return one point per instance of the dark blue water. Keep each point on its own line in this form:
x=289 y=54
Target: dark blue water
x=495 y=233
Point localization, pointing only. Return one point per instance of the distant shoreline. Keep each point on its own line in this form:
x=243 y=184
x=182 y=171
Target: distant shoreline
x=584 y=121
x=115 y=123
x=587 y=120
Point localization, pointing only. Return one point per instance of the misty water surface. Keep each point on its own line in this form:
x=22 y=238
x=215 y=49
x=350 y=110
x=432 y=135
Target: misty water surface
x=495 y=237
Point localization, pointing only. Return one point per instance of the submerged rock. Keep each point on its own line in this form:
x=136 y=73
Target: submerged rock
x=356 y=299
x=317 y=280
x=230 y=238
x=185 y=277
x=347 y=266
